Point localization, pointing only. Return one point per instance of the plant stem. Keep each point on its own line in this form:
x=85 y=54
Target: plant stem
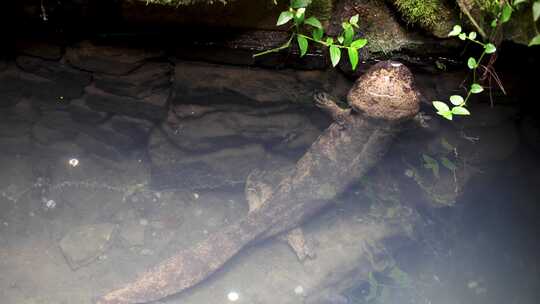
x=275 y=50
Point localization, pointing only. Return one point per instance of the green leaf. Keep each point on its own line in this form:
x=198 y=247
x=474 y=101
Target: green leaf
x=460 y=111
x=490 y=48
x=299 y=16
x=359 y=43
x=348 y=34
x=472 y=35
x=535 y=40
x=447 y=145
x=335 y=55
x=353 y=57
x=340 y=39
x=354 y=20
x=302 y=44
x=313 y=22
x=476 y=88
x=441 y=106
x=518 y=2
x=447 y=114
x=471 y=63
x=300 y=3
x=448 y=164
x=462 y=36
x=317 y=33
x=329 y=41
x=494 y=23
x=431 y=163
x=455 y=31
x=429 y=160
x=284 y=17
x=456 y=100
x=506 y=13
x=536 y=10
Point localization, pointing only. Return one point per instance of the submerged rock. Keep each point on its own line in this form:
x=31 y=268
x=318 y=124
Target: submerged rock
x=200 y=83
x=107 y=59
x=152 y=107
x=148 y=80
x=83 y=245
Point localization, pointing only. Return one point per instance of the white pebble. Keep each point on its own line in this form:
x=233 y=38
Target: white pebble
x=74 y=162
x=299 y=290
x=50 y=204
x=196 y=195
x=233 y=296
x=143 y=222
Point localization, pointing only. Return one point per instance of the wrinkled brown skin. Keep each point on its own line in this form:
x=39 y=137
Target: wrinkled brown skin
x=343 y=153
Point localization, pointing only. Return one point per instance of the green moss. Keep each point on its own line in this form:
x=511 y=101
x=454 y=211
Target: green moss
x=420 y=12
x=491 y=6
x=432 y=15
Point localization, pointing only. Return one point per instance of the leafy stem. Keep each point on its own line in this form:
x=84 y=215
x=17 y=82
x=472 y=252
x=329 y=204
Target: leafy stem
x=296 y=13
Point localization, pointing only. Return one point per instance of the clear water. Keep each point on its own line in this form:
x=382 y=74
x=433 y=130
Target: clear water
x=86 y=205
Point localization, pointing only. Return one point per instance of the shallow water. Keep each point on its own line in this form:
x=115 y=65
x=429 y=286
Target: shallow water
x=89 y=200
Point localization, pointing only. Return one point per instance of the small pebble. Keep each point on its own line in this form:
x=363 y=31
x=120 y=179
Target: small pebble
x=233 y=296
x=74 y=162
x=50 y=204
x=143 y=222
x=299 y=290
x=472 y=284
x=147 y=251
x=196 y=195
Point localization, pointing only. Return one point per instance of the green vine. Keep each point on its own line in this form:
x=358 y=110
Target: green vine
x=297 y=14
x=503 y=14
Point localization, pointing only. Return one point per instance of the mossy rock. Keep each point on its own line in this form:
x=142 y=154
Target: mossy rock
x=435 y=16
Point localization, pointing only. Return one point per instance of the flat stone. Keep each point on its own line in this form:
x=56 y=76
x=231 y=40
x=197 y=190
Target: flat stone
x=61 y=82
x=83 y=245
x=55 y=126
x=149 y=79
x=209 y=83
x=80 y=112
x=11 y=89
x=153 y=107
x=107 y=59
x=40 y=48
x=235 y=125
x=132 y=233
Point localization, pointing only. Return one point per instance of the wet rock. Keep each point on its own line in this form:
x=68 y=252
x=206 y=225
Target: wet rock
x=80 y=112
x=150 y=79
x=491 y=144
x=237 y=125
x=11 y=89
x=153 y=107
x=83 y=245
x=107 y=59
x=13 y=126
x=55 y=126
x=116 y=137
x=40 y=48
x=172 y=168
x=62 y=82
x=132 y=233
x=16 y=145
x=207 y=83
x=348 y=246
